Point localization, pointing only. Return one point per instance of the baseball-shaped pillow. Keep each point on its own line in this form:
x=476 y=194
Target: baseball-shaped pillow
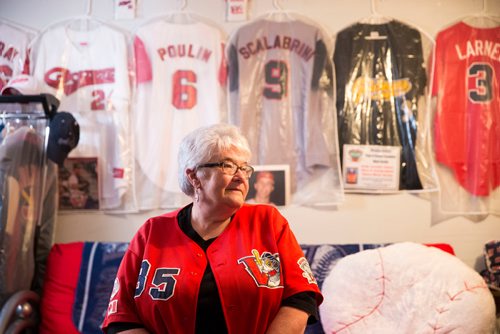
x=405 y=288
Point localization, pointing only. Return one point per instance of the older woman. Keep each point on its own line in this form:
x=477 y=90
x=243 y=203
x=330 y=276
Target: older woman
x=217 y=265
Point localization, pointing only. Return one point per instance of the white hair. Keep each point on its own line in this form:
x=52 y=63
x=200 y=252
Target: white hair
x=206 y=144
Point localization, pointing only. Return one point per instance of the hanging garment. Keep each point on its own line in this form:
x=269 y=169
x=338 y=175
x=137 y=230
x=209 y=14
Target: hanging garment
x=381 y=79
x=281 y=96
x=466 y=88
x=87 y=68
x=13 y=51
x=181 y=78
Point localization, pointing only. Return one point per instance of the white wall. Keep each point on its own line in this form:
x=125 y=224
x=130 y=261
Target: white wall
x=377 y=218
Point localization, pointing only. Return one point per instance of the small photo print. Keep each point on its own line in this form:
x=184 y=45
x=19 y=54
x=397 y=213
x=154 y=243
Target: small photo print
x=351 y=175
x=78 y=184
x=269 y=184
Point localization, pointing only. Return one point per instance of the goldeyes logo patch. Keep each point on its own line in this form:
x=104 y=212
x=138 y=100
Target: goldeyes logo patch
x=264 y=268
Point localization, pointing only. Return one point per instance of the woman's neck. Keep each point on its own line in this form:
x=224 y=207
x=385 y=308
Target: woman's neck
x=208 y=225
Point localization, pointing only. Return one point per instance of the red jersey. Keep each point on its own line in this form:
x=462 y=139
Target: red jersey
x=256 y=263
x=467 y=124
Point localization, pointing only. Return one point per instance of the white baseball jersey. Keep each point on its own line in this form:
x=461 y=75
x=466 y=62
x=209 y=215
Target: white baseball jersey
x=88 y=71
x=181 y=77
x=13 y=51
x=280 y=93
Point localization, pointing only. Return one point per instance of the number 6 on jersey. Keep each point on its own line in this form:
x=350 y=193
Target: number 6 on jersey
x=184 y=90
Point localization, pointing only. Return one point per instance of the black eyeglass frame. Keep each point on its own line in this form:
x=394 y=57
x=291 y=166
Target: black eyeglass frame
x=247 y=169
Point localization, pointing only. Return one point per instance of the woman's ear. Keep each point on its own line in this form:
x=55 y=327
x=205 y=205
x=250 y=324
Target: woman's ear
x=193 y=178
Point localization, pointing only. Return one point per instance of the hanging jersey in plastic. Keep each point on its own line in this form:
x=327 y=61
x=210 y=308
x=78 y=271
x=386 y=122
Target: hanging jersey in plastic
x=13 y=52
x=281 y=97
x=380 y=78
x=467 y=122
x=88 y=71
x=181 y=75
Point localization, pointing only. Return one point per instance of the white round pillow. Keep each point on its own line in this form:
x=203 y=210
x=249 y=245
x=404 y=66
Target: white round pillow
x=405 y=288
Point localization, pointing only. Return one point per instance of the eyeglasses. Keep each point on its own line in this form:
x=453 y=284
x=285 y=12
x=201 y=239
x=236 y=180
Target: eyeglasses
x=230 y=168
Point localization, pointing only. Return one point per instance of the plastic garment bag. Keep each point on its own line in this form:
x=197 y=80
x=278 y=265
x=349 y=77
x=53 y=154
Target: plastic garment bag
x=281 y=96
x=466 y=93
x=181 y=85
x=14 y=41
x=381 y=104
x=22 y=176
x=87 y=64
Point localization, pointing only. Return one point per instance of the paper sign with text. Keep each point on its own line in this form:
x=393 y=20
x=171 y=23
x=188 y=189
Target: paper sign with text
x=125 y=9
x=236 y=10
x=370 y=167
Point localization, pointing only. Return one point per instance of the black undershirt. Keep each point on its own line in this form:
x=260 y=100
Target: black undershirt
x=209 y=314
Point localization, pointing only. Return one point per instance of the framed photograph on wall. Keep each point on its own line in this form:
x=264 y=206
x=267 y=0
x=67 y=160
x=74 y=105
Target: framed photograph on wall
x=78 y=184
x=270 y=184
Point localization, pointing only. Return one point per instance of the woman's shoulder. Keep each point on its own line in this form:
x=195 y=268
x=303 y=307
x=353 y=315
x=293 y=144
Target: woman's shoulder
x=253 y=210
x=159 y=222
x=157 y=227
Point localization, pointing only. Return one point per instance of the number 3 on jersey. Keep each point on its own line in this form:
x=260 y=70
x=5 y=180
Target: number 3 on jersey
x=184 y=94
x=481 y=77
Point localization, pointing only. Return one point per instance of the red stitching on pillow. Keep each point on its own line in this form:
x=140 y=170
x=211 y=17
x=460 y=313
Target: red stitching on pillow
x=453 y=298
x=377 y=306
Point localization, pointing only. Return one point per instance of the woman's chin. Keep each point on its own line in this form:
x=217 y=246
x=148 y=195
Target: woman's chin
x=236 y=198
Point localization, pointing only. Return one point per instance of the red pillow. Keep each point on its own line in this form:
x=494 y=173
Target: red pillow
x=58 y=295
x=444 y=247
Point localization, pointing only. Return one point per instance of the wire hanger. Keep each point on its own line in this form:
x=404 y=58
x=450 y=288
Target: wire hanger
x=82 y=22
x=183 y=5
x=483 y=11
x=79 y=24
x=375 y=17
x=482 y=19
x=279 y=13
x=30 y=30
x=181 y=15
x=373 y=8
x=86 y=21
x=89 y=8
x=277 y=5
